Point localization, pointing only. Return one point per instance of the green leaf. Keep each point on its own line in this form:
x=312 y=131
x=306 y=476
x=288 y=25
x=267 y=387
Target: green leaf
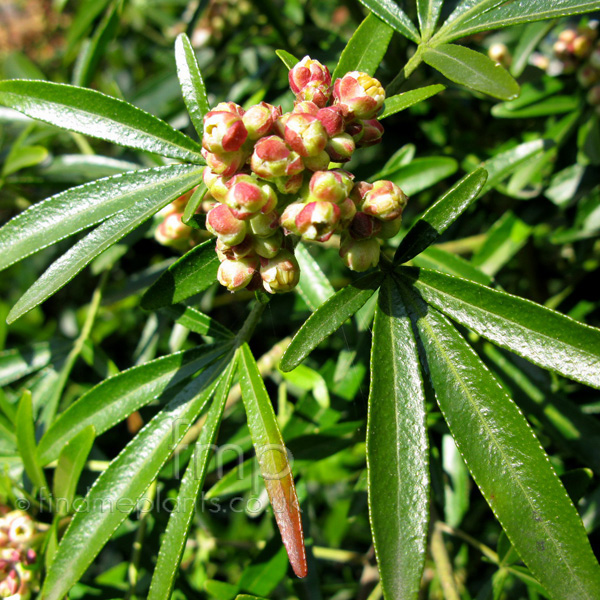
x=548 y=106
x=329 y=317
x=472 y=16
x=441 y=215
x=194 y=203
x=198 y=322
x=399 y=102
x=98 y=115
x=192 y=85
x=80 y=168
x=528 y=42
x=272 y=459
x=117 y=490
x=397 y=449
x=115 y=398
x=314 y=287
x=402 y=157
x=507 y=462
x=105 y=235
x=21 y=157
x=75 y=209
x=19 y=362
x=542 y=336
x=389 y=12
x=68 y=470
x=26 y=442
x=472 y=69
x=265 y=572
x=422 y=173
x=191 y=274
x=366 y=48
x=289 y=60
x=429 y=13
x=439 y=259
x=180 y=520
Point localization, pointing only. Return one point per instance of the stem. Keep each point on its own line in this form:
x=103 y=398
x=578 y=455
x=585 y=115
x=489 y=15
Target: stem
x=415 y=60
x=443 y=564
x=250 y=324
x=485 y=550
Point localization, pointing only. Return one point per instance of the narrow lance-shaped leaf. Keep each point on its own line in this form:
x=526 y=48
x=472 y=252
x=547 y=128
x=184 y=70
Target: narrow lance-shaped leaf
x=289 y=60
x=198 y=322
x=389 y=12
x=19 y=362
x=472 y=69
x=429 y=13
x=272 y=459
x=173 y=544
x=397 y=449
x=104 y=236
x=507 y=462
x=534 y=332
x=192 y=85
x=366 y=48
x=115 y=398
x=194 y=204
x=98 y=115
x=26 y=442
x=73 y=210
x=329 y=317
x=191 y=274
x=117 y=490
x=314 y=287
x=399 y=102
x=441 y=215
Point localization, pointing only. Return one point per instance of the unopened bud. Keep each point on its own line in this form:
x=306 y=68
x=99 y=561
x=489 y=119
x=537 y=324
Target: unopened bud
x=359 y=94
x=288 y=217
x=306 y=106
x=357 y=130
x=305 y=134
x=317 y=221
x=359 y=191
x=237 y=274
x=244 y=249
x=223 y=132
x=364 y=226
x=216 y=184
x=270 y=246
x=567 y=36
x=226 y=164
x=385 y=200
x=259 y=120
x=272 y=158
x=347 y=212
x=595 y=58
x=340 y=147
x=499 y=53
x=221 y=222
x=310 y=80
x=230 y=107
x=389 y=228
x=593 y=96
x=281 y=273
x=371 y=133
x=587 y=76
x=320 y=162
x=359 y=255
x=581 y=46
x=172 y=231
x=264 y=225
x=289 y=185
x=332 y=118
x=246 y=196
x=330 y=186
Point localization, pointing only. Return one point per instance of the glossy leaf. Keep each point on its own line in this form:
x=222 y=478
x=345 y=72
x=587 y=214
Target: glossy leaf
x=366 y=48
x=429 y=13
x=441 y=215
x=81 y=168
x=190 y=80
x=439 y=259
x=329 y=317
x=173 y=543
x=533 y=34
x=26 y=442
x=191 y=274
x=194 y=204
x=507 y=462
x=399 y=102
x=116 y=491
x=422 y=173
x=68 y=470
x=472 y=69
x=103 y=237
x=272 y=459
x=554 y=105
x=402 y=157
x=397 y=449
x=389 y=12
x=198 y=322
x=21 y=157
x=540 y=335
x=115 y=398
x=314 y=287
x=289 y=60
x=472 y=16
x=98 y=115
x=80 y=207
x=19 y=362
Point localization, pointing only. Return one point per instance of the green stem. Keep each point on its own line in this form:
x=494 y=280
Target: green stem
x=250 y=324
x=485 y=550
x=443 y=564
x=415 y=60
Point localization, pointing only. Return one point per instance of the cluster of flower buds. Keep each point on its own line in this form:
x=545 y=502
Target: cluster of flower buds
x=18 y=573
x=269 y=177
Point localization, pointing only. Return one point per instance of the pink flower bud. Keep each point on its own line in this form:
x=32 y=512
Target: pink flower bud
x=581 y=46
x=259 y=119
x=332 y=118
x=223 y=132
x=279 y=125
x=347 y=212
x=359 y=255
x=310 y=80
x=567 y=36
x=305 y=134
x=270 y=246
x=359 y=191
x=237 y=274
x=561 y=49
x=317 y=221
x=281 y=273
x=385 y=200
x=306 y=106
x=221 y=222
x=357 y=130
x=30 y=557
x=242 y=250
x=340 y=147
x=359 y=94
x=320 y=162
x=264 y=225
x=289 y=185
x=371 y=133
x=226 y=164
x=230 y=107
x=246 y=196
x=364 y=226
x=330 y=186
x=390 y=228
x=216 y=184
x=272 y=158
x=587 y=76
x=10 y=585
x=172 y=231
x=593 y=96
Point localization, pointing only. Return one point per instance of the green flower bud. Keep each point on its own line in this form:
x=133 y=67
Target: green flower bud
x=272 y=158
x=221 y=222
x=268 y=247
x=246 y=196
x=317 y=221
x=305 y=134
x=340 y=147
x=390 y=228
x=281 y=273
x=237 y=274
x=330 y=186
x=259 y=120
x=320 y=162
x=385 y=200
x=264 y=225
x=359 y=255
